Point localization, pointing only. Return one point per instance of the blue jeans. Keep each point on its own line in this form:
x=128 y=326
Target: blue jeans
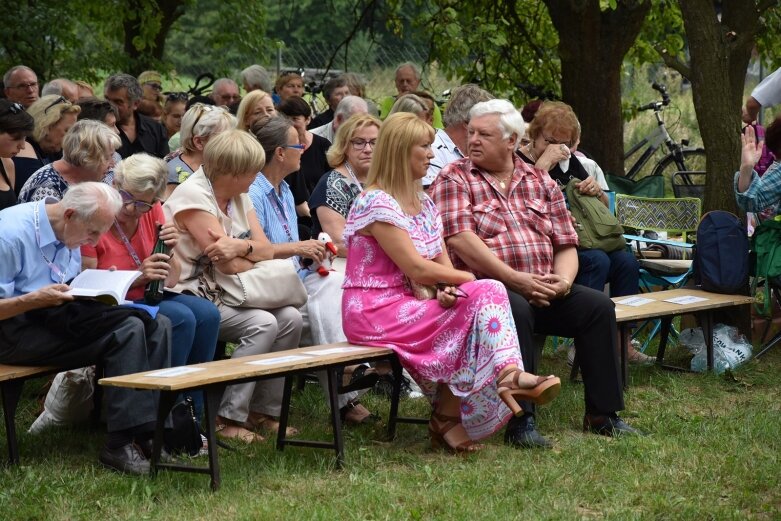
x=619 y=268
x=195 y=324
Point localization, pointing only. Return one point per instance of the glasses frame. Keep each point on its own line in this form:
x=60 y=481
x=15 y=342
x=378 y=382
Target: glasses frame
x=59 y=100
x=557 y=142
x=459 y=293
x=138 y=205
x=297 y=146
x=25 y=86
x=361 y=144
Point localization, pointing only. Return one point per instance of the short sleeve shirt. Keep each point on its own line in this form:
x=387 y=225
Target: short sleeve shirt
x=334 y=191
x=521 y=229
x=45 y=182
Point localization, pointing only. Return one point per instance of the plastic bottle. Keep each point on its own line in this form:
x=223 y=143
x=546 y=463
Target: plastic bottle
x=153 y=293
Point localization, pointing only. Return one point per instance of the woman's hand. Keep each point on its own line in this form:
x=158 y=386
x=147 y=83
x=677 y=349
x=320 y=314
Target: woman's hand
x=589 y=186
x=751 y=150
x=155 y=267
x=447 y=296
x=224 y=248
x=170 y=235
x=552 y=156
x=311 y=249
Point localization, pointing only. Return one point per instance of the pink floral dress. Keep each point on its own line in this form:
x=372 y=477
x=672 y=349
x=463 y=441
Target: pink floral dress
x=465 y=346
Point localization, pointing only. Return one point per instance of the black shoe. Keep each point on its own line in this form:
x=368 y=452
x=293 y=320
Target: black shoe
x=384 y=386
x=127 y=458
x=608 y=425
x=523 y=434
x=146 y=450
x=362 y=377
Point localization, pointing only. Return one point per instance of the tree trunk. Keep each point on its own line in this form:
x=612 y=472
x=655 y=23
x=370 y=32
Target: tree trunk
x=720 y=53
x=592 y=46
x=136 y=21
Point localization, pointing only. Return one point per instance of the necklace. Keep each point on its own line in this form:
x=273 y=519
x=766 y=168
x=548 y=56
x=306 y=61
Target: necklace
x=352 y=174
x=503 y=181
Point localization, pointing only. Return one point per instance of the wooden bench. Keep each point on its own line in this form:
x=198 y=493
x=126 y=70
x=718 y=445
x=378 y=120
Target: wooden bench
x=659 y=308
x=213 y=377
x=12 y=378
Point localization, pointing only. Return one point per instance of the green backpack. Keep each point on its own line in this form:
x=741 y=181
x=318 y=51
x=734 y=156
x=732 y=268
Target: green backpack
x=766 y=246
x=597 y=228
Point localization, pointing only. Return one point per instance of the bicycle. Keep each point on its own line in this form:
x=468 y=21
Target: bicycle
x=679 y=157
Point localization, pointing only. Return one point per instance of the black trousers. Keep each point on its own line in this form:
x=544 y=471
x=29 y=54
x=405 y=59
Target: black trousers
x=130 y=346
x=589 y=317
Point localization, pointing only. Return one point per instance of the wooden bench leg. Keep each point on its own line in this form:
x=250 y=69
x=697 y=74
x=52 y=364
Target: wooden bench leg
x=164 y=405
x=284 y=415
x=664 y=335
x=336 y=420
x=212 y=395
x=705 y=319
x=395 y=394
x=11 y=392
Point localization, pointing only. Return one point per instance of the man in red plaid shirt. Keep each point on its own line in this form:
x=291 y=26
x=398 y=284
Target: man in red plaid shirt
x=508 y=221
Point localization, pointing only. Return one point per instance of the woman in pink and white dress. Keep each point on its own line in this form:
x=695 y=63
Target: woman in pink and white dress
x=461 y=346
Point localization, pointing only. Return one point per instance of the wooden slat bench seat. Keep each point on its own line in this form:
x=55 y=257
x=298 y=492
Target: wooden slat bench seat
x=213 y=377
x=12 y=378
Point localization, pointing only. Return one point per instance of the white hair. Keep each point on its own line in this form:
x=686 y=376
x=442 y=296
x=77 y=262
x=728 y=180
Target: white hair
x=204 y=121
x=510 y=120
x=414 y=67
x=257 y=77
x=350 y=105
x=87 y=198
x=142 y=173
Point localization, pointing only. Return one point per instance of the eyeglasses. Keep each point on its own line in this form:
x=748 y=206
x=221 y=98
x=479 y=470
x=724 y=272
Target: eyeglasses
x=176 y=96
x=14 y=108
x=138 y=206
x=154 y=85
x=360 y=144
x=552 y=141
x=297 y=146
x=55 y=102
x=25 y=86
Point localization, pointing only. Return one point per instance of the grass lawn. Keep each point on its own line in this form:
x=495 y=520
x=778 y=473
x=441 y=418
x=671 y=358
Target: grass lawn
x=712 y=453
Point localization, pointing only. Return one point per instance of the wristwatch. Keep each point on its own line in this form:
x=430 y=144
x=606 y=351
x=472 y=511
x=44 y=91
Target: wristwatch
x=249 y=249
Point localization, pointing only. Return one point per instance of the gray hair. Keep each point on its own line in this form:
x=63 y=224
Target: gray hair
x=510 y=120
x=203 y=121
x=125 y=81
x=222 y=81
x=409 y=103
x=412 y=66
x=462 y=99
x=350 y=105
x=271 y=134
x=88 y=143
x=87 y=198
x=142 y=173
x=10 y=72
x=257 y=77
x=54 y=87
x=333 y=84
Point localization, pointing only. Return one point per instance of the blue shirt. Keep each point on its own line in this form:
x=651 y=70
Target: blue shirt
x=23 y=268
x=276 y=212
x=763 y=192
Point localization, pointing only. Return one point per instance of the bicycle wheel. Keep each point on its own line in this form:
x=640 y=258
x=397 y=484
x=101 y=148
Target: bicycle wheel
x=693 y=161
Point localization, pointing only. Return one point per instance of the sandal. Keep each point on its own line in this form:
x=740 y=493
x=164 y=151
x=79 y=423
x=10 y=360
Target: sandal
x=230 y=430
x=354 y=413
x=361 y=377
x=448 y=433
x=259 y=422
x=512 y=386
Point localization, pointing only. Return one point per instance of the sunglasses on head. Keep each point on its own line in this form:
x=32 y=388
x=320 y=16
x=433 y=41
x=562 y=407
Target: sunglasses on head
x=59 y=100
x=176 y=96
x=14 y=108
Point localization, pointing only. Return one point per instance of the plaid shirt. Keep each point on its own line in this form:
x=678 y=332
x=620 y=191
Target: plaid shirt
x=763 y=192
x=521 y=229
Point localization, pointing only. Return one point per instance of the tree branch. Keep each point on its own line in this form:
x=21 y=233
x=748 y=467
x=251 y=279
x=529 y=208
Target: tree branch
x=673 y=62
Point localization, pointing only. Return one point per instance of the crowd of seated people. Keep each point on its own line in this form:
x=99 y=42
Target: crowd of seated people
x=439 y=253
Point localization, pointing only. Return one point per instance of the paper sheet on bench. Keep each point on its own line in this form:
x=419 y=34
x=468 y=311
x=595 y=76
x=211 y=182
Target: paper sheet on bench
x=334 y=350
x=686 y=299
x=279 y=360
x=175 y=371
x=634 y=301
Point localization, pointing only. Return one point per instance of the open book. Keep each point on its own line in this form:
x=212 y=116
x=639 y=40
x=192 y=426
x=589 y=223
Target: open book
x=104 y=285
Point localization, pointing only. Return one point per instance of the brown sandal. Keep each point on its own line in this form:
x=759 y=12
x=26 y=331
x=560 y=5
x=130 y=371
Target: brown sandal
x=448 y=433
x=230 y=430
x=511 y=388
x=259 y=422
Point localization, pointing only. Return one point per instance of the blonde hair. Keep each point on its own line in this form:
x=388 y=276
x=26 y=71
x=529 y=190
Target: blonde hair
x=204 y=121
x=553 y=116
x=390 y=167
x=142 y=173
x=88 y=143
x=47 y=113
x=410 y=103
x=233 y=152
x=337 y=154
x=245 y=107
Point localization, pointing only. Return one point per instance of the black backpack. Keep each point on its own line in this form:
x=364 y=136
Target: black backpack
x=721 y=256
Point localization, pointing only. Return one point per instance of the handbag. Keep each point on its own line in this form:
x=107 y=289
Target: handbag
x=185 y=435
x=597 y=228
x=271 y=284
